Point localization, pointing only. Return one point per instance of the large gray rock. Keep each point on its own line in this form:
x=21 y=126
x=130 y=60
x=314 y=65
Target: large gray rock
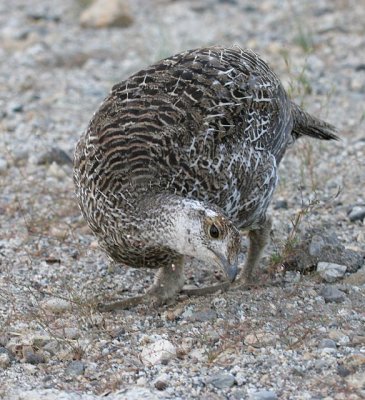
x=222 y=380
x=332 y=295
x=331 y=272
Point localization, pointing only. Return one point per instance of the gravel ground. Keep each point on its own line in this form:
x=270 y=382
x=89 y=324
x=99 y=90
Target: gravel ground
x=299 y=334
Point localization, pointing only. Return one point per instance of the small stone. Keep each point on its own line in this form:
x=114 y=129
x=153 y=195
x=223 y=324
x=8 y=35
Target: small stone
x=4 y=360
x=56 y=305
x=330 y=272
x=357 y=213
x=54 y=155
x=327 y=344
x=281 y=204
x=107 y=13
x=222 y=381
x=55 y=171
x=68 y=333
x=75 y=368
x=343 y=371
x=202 y=316
x=160 y=385
x=262 y=395
x=136 y=393
x=339 y=337
x=319 y=365
x=16 y=107
x=241 y=378
x=3 y=165
x=158 y=352
x=34 y=358
x=4 y=350
x=316 y=245
x=52 y=347
x=332 y=295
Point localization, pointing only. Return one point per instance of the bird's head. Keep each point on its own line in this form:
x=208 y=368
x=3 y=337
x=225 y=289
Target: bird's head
x=201 y=230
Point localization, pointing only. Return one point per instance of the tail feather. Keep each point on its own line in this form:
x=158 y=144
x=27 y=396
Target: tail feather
x=307 y=125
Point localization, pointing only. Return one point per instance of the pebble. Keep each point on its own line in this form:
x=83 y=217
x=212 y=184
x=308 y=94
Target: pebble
x=241 y=378
x=331 y=272
x=68 y=333
x=75 y=368
x=262 y=395
x=202 y=316
x=56 y=305
x=316 y=245
x=340 y=337
x=101 y=14
x=327 y=344
x=55 y=171
x=343 y=371
x=34 y=358
x=160 y=385
x=281 y=204
x=4 y=350
x=4 y=360
x=357 y=213
x=3 y=165
x=54 y=155
x=52 y=347
x=332 y=295
x=158 y=352
x=222 y=380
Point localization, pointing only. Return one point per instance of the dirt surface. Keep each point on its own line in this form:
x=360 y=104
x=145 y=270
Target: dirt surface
x=298 y=334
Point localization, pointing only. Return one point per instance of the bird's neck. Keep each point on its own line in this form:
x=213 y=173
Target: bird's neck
x=169 y=220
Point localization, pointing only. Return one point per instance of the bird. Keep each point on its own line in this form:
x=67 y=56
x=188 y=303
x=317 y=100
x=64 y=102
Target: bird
x=183 y=156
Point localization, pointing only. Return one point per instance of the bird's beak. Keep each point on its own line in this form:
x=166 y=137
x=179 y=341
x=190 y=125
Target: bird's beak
x=231 y=269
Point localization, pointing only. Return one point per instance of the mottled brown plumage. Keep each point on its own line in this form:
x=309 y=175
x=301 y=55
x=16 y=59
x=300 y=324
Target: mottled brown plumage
x=184 y=151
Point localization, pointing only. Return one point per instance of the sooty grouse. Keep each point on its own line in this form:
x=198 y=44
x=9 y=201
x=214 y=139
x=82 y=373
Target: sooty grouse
x=181 y=156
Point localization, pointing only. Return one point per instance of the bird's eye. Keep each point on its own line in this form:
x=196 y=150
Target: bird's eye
x=214 y=232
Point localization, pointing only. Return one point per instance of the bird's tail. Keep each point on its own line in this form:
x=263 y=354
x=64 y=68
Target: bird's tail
x=307 y=125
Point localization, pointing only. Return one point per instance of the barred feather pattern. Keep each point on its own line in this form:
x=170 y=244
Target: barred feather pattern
x=210 y=124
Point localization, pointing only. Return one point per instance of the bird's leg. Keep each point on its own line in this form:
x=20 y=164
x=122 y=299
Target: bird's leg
x=258 y=239
x=168 y=283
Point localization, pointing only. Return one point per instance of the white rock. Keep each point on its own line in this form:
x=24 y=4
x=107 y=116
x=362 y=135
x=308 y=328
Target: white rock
x=48 y=394
x=135 y=394
x=331 y=272
x=104 y=13
x=56 y=305
x=3 y=165
x=157 y=352
x=4 y=360
x=56 y=171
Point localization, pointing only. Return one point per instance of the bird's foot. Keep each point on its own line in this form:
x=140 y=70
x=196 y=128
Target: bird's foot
x=149 y=299
x=167 y=285
x=121 y=304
